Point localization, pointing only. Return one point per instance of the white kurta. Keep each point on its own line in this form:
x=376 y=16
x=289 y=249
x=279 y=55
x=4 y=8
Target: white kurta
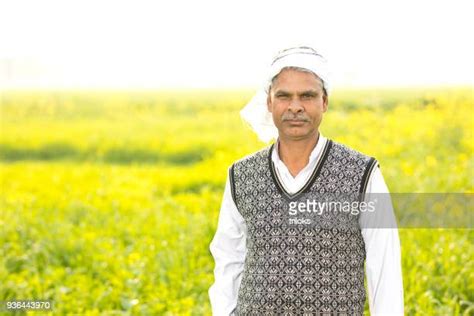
x=382 y=245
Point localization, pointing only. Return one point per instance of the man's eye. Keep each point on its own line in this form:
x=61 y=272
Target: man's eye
x=282 y=96
x=307 y=96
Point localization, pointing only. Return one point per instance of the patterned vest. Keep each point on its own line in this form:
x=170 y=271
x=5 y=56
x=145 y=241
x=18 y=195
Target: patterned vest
x=294 y=268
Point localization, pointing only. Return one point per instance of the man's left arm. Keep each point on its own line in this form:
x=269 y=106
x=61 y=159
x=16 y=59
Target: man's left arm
x=382 y=245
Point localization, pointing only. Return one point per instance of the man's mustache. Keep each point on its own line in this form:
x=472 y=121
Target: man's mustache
x=291 y=117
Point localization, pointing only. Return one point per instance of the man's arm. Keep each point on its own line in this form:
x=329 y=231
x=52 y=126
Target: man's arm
x=228 y=248
x=382 y=245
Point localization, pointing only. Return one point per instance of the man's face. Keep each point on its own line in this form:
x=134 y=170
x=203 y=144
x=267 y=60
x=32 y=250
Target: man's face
x=297 y=103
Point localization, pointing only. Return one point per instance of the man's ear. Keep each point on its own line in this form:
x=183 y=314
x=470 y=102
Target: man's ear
x=269 y=102
x=325 y=102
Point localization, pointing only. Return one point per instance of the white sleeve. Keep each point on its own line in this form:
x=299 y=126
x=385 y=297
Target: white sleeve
x=228 y=248
x=383 y=259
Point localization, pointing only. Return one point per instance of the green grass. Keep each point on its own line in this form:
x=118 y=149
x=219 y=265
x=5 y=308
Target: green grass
x=110 y=199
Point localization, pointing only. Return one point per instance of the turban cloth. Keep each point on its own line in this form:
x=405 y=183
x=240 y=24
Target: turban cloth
x=256 y=113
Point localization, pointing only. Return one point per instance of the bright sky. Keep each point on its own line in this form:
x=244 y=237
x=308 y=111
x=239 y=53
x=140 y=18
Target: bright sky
x=212 y=44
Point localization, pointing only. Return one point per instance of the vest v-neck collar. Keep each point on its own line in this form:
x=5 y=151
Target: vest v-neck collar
x=309 y=182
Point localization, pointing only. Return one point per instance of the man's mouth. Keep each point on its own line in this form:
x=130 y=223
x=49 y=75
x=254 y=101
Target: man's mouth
x=296 y=122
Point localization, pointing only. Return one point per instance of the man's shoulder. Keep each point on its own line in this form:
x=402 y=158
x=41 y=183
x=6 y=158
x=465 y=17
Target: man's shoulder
x=255 y=157
x=349 y=152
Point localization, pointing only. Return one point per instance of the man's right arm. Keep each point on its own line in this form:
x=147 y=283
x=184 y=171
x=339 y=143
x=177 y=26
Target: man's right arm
x=228 y=248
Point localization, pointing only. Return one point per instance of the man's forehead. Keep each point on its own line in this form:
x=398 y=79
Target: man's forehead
x=301 y=74
x=301 y=81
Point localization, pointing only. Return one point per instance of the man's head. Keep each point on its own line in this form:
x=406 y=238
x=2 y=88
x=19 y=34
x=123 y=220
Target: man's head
x=297 y=100
x=303 y=75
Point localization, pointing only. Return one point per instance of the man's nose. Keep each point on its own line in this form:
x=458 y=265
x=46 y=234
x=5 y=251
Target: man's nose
x=295 y=106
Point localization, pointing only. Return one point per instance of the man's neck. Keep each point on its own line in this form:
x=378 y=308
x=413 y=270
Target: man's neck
x=295 y=153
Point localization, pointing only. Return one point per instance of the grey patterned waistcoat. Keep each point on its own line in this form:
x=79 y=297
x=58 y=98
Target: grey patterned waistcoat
x=298 y=269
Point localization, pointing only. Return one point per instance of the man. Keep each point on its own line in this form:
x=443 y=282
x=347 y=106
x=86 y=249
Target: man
x=274 y=255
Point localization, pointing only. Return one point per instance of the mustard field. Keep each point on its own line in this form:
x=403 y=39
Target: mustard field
x=109 y=199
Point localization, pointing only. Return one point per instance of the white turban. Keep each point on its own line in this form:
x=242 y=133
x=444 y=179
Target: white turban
x=255 y=113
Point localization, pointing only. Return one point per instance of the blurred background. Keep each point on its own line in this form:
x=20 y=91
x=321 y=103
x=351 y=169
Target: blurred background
x=119 y=119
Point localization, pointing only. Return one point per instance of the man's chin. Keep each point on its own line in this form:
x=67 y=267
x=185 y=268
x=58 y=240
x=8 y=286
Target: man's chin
x=297 y=133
